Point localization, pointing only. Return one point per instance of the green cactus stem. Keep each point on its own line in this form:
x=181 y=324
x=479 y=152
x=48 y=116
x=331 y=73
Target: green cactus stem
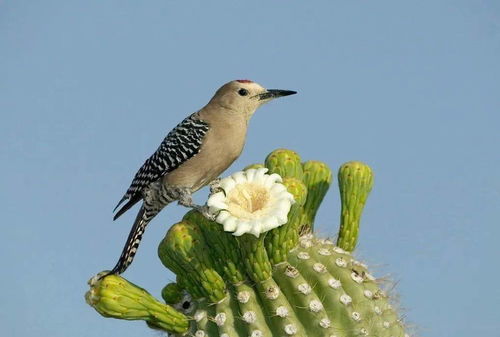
x=281 y=240
x=250 y=313
x=224 y=249
x=355 y=183
x=203 y=319
x=226 y=318
x=183 y=250
x=307 y=305
x=317 y=178
x=325 y=286
x=364 y=309
x=113 y=296
x=255 y=258
x=283 y=319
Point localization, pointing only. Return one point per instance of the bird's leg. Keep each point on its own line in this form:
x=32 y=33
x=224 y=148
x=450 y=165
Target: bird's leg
x=215 y=186
x=185 y=199
x=183 y=195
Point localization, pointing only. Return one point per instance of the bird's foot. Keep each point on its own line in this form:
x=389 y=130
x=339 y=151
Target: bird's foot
x=204 y=210
x=215 y=186
x=186 y=200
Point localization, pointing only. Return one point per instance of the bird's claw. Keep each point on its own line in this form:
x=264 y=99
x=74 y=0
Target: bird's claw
x=215 y=186
x=204 y=210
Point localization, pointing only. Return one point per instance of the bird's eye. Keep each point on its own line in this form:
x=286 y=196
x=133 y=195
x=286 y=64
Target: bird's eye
x=243 y=92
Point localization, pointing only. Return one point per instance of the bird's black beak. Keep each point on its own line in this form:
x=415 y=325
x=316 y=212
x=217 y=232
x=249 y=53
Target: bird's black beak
x=275 y=93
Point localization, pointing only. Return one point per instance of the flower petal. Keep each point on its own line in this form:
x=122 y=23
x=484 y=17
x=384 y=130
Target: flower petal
x=268 y=181
x=259 y=177
x=256 y=229
x=217 y=201
x=283 y=204
x=223 y=216
x=277 y=190
x=230 y=224
x=270 y=223
x=239 y=177
x=243 y=227
x=227 y=184
x=282 y=215
x=276 y=178
x=250 y=173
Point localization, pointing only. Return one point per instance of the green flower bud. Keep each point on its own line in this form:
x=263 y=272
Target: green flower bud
x=113 y=296
x=284 y=162
x=355 y=183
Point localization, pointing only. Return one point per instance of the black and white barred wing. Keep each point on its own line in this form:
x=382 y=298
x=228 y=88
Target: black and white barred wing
x=181 y=144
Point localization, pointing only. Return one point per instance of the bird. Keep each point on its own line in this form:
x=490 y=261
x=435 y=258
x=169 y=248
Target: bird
x=191 y=156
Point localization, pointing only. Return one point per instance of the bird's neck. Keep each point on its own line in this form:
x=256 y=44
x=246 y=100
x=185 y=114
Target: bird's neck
x=224 y=115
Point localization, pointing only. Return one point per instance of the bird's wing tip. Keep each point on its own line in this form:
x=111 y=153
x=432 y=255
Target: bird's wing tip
x=131 y=202
x=119 y=203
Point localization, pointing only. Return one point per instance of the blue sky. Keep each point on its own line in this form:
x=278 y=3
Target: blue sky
x=88 y=89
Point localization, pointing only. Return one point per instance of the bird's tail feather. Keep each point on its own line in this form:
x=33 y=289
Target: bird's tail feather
x=134 y=239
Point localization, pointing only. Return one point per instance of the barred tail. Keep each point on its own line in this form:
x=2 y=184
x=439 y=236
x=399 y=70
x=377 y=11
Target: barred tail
x=134 y=239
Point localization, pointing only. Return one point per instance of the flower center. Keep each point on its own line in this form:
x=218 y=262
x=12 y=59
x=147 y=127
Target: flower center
x=247 y=200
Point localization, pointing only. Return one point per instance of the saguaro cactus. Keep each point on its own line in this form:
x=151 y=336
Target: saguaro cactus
x=254 y=272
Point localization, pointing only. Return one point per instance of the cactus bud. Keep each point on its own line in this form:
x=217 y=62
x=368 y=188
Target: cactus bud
x=171 y=293
x=113 y=296
x=317 y=178
x=355 y=184
x=286 y=163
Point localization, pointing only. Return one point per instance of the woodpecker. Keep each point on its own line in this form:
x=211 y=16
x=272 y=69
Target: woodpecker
x=191 y=156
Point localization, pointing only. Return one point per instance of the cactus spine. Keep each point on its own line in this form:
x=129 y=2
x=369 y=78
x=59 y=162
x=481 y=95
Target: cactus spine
x=286 y=282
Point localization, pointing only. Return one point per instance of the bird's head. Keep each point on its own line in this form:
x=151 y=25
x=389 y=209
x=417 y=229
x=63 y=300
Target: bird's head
x=245 y=96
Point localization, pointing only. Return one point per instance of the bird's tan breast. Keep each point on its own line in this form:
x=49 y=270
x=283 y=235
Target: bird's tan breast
x=222 y=145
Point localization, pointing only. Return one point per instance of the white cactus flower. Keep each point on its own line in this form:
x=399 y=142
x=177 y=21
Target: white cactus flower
x=251 y=201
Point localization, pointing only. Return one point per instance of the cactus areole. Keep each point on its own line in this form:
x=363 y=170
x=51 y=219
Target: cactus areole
x=259 y=270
